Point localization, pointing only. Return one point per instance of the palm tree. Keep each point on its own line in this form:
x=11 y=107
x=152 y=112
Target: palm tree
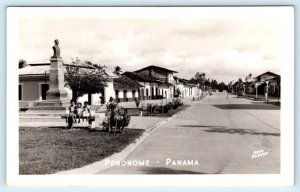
x=117 y=70
x=22 y=63
x=250 y=77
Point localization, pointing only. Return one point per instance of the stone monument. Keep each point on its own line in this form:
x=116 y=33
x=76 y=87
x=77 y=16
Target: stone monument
x=56 y=90
x=48 y=113
x=57 y=100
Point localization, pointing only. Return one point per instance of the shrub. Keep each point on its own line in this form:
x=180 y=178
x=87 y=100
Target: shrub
x=177 y=103
x=169 y=106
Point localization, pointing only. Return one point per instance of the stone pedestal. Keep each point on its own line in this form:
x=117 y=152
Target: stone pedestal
x=57 y=100
x=56 y=81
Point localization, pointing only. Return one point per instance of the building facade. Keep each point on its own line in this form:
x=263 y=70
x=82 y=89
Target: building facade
x=267 y=80
x=34 y=84
x=186 y=88
x=149 y=83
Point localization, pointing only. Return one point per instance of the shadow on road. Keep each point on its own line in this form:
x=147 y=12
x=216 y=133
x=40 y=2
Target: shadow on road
x=202 y=126
x=240 y=131
x=223 y=129
x=164 y=170
x=248 y=106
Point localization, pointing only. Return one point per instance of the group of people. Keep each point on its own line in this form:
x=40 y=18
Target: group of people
x=77 y=112
x=116 y=117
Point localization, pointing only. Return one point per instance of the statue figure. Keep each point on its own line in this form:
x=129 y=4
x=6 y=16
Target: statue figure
x=56 y=49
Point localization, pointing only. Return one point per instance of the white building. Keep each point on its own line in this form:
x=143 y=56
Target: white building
x=186 y=88
x=34 y=83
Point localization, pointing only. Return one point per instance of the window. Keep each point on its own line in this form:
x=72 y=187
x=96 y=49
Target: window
x=133 y=93
x=20 y=92
x=44 y=89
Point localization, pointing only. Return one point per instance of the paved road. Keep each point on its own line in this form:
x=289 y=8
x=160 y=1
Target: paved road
x=220 y=134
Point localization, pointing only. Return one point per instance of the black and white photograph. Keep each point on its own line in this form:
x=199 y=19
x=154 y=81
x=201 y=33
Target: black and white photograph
x=191 y=92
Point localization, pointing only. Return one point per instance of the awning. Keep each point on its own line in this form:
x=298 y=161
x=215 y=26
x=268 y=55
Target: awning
x=258 y=83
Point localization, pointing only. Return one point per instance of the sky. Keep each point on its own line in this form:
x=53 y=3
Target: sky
x=224 y=48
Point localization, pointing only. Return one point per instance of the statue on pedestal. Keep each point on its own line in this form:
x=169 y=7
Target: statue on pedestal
x=56 y=49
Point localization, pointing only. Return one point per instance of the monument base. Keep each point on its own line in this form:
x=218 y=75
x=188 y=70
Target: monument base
x=44 y=119
x=51 y=106
x=46 y=113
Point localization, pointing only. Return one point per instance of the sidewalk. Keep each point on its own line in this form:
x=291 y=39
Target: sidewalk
x=262 y=98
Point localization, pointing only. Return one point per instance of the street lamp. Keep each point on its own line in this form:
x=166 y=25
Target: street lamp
x=256 y=85
x=267 y=91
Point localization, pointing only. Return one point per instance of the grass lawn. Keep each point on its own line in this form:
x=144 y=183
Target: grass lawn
x=49 y=150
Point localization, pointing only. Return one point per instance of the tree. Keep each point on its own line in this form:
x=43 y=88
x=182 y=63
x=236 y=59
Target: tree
x=199 y=79
x=230 y=87
x=85 y=78
x=22 y=63
x=117 y=70
x=248 y=78
x=239 y=85
x=214 y=84
x=248 y=81
x=222 y=86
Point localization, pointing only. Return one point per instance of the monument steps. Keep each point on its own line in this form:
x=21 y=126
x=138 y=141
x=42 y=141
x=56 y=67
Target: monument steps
x=40 y=119
x=41 y=124
x=41 y=114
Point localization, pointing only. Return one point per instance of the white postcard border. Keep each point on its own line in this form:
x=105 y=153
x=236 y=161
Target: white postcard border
x=286 y=178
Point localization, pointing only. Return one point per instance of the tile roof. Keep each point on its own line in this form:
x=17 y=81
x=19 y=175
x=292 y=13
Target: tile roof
x=141 y=77
x=185 y=81
x=156 y=67
x=125 y=82
x=267 y=73
x=40 y=68
x=34 y=70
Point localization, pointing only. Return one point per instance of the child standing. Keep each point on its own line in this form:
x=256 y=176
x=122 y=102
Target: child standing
x=86 y=112
x=71 y=116
x=78 y=111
